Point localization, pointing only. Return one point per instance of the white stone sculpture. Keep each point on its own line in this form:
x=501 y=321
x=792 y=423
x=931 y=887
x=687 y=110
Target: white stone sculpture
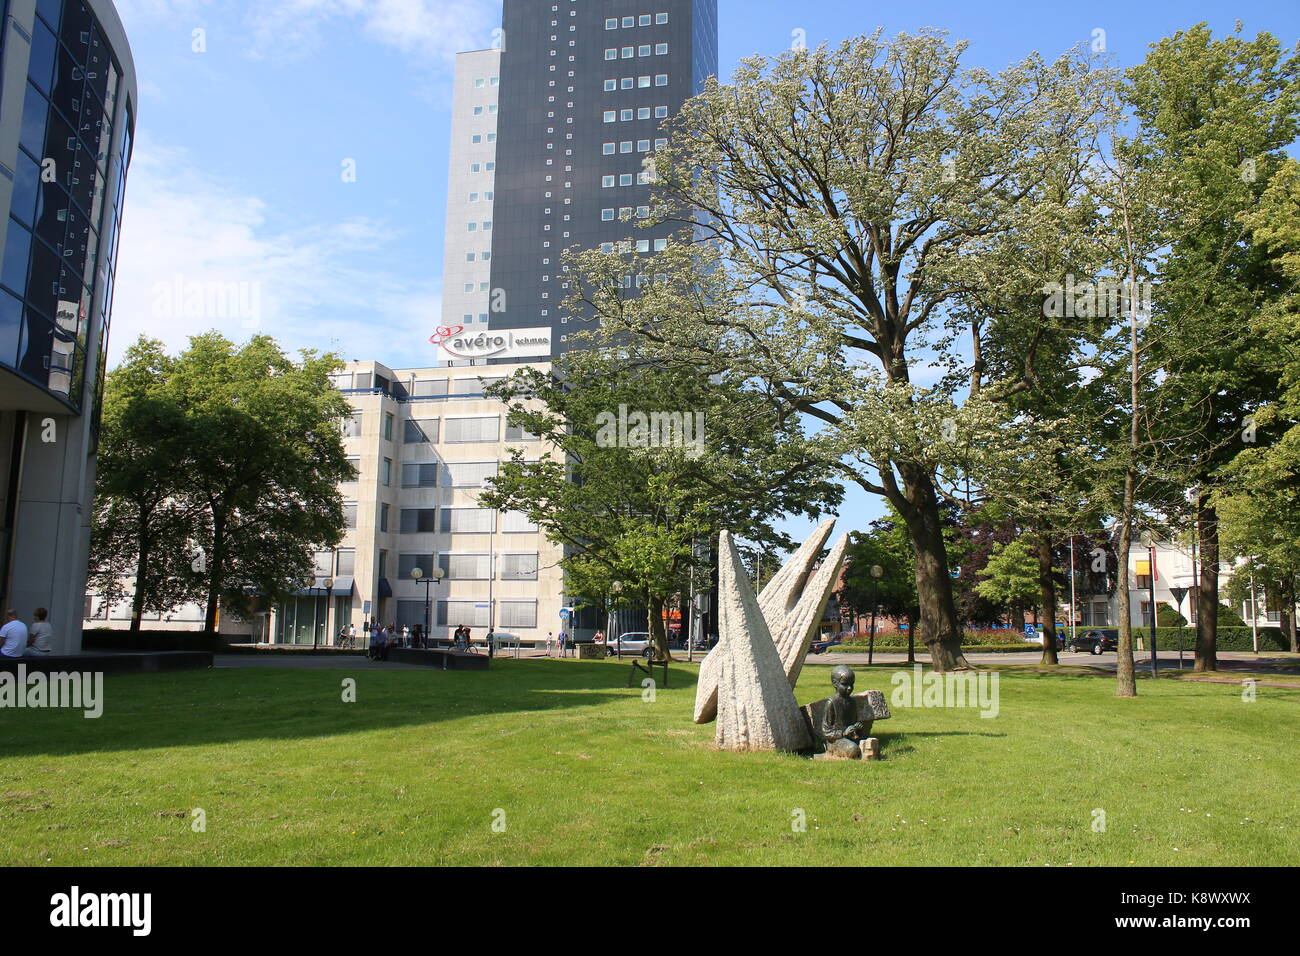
x=756 y=706
x=791 y=606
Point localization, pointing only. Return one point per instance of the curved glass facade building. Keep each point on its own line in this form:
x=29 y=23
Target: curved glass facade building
x=67 y=99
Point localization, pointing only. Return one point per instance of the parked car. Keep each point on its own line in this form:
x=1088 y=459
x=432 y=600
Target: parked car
x=633 y=643
x=1096 y=640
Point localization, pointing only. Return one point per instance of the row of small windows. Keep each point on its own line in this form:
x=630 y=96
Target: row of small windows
x=487 y=196
x=483 y=256
x=642 y=146
x=461 y=521
x=642 y=20
x=510 y=566
x=641 y=113
x=482 y=167
x=625 y=179
x=627 y=52
x=482 y=81
x=634 y=245
x=641 y=212
x=473 y=226
x=635 y=82
x=491 y=108
x=478 y=138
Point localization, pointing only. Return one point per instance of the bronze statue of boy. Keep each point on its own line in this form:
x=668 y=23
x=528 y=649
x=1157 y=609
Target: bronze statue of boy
x=841 y=729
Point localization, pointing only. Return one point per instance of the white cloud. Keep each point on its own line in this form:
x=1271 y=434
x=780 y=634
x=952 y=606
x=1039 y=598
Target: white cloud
x=427 y=29
x=320 y=285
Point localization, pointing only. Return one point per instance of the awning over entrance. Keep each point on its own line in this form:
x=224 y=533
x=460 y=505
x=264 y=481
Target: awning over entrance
x=385 y=589
x=342 y=587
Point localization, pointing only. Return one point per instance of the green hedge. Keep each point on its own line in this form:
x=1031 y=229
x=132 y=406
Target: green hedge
x=1227 y=638
x=898 y=640
x=108 y=639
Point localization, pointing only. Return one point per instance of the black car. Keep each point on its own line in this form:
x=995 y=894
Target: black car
x=1096 y=640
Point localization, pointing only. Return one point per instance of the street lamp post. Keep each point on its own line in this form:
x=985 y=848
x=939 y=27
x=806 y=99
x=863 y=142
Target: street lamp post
x=877 y=572
x=329 y=594
x=417 y=573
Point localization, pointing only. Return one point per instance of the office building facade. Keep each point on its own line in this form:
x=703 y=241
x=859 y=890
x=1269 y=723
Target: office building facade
x=67 y=102
x=585 y=90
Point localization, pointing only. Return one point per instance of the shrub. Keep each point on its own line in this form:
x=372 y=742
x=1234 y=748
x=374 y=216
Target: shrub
x=1229 y=638
x=1166 y=616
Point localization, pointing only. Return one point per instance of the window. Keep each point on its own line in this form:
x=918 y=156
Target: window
x=487 y=224
x=517 y=614
x=611 y=23
x=470 y=429
x=625 y=146
x=418 y=475
x=611 y=85
x=418 y=520
x=611 y=53
x=642 y=245
x=628 y=51
x=346 y=562
x=467 y=520
x=469 y=257
x=491 y=137
x=643 y=50
x=518 y=567
x=420 y=430
x=661 y=49
x=478 y=83
x=456 y=613
x=643 y=145
x=476 y=138
x=467 y=474
x=429 y=386
x=607 y=215
x=625 y=179
x=349 y=514
x=661 y=18
x=660 y=143
x=474 y=167
x=626 y=83
x=355 y=464
x=661 y=79
x=388 y=426
x=519 y=433
x=629 y=21
x=383 y=517
x=352 y=426
x=661 y=245
x=516 y=522
x=465 y=567
x=625 y=115
x=643 y=212
x=643 y=20
x=406 y=563
x=606 y=181
x=386 y=472
x=660 y=113
x=642 y=82
x=643 y=113
x=478 y=111
x=473 y=226
x=490 y=166
x=607 y=149
x=609 y=115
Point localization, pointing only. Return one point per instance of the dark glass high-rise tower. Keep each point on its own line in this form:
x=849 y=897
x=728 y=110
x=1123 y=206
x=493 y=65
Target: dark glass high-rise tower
x=585 y=87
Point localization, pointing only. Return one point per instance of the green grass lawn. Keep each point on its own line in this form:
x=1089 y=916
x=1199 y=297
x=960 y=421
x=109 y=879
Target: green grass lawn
x=587 y=772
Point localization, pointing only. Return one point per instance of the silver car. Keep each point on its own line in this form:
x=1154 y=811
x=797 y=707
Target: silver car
x=633 y=643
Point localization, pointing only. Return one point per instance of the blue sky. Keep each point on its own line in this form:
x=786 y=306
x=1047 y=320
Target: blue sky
x=240 y=147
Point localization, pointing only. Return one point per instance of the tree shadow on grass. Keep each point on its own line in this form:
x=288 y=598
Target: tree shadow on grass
x=228 y=705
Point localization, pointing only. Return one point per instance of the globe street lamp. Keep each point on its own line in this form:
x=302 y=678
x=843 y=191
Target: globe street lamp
x=877 y=572
x=416 y=574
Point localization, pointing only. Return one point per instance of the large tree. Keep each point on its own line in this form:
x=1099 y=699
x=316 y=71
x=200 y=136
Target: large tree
x=835 y=206
x=1212 y=118
x=644 y=466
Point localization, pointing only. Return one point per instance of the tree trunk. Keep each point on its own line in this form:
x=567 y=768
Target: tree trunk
x=215 y=568
x=1288 y=597
x=940 y=627
x=911 y=638
x=1018 y=619
x=144 y=545
x=1125 y=679
x=1047 y=591
x=1207 y=597
x=658 y=633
